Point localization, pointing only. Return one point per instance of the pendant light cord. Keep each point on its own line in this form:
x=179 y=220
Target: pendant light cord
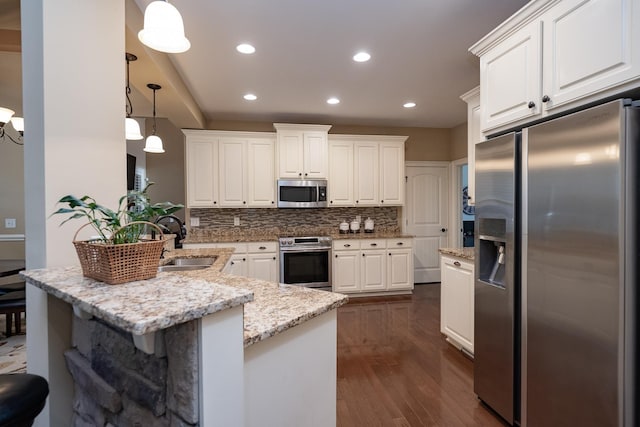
x=154 y=112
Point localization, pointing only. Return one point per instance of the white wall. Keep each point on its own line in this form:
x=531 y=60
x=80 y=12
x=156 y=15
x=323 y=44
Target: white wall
x=73 y=79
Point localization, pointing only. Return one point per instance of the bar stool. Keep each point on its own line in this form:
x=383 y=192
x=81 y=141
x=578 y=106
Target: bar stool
x=13 y=304
x=22 y=397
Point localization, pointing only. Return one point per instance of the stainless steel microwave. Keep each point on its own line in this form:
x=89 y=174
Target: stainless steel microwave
x=298 y=193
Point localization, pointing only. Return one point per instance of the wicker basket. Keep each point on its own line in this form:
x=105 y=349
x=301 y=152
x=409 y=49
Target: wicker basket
x=116 y=264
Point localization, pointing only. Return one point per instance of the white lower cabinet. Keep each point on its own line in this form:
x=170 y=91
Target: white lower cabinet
x=457 y=301
x=372 y=265
x=257 y=260
x=262 y=261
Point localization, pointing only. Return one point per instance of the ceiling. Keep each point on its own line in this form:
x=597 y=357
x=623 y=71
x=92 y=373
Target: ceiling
x=303 y=57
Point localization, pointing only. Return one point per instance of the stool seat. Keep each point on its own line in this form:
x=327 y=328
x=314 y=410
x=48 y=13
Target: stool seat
x=22 y=397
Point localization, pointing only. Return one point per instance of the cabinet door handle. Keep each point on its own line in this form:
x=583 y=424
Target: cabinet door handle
x=546 y=98
x=357 y=201
x=389 y=253
x=399 y=243
x=363 y=254
x=274 y=258
x=300 y=174
x=531 y=104
x=244 y=259
x=244 y=202
x=215 y=203
x=346 y=245
x=331 y=201
x=262 y=248
x=305 y=174
x=233 y=263
x=374 y=244
x=456 y=263
x=272 y=202
x=443 y=230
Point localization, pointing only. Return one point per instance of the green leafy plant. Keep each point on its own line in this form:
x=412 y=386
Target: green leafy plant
x=110 y=224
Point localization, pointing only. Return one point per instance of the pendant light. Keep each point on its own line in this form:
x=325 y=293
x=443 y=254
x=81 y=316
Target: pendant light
x=131 y=126
x=163 y=28
x=154 y=143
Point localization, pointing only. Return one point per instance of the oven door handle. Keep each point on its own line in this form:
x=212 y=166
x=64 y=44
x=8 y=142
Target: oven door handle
x=285 y=251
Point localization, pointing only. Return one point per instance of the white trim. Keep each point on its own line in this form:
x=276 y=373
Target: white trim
x=366 y=138
x=11 y=237
x=455 y=203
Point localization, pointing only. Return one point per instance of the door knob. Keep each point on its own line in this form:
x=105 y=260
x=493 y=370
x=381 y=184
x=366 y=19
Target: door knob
x=531 y=104
x=546 y=98
x=443 y=230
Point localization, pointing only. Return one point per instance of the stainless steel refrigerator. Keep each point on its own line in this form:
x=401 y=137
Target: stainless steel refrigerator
x=556 y=263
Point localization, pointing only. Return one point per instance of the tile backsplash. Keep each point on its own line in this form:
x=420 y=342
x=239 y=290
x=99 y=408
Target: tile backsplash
x=283 y=219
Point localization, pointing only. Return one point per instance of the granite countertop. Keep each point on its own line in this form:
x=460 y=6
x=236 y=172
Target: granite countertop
x=171 y=298
x=272 y=234
x=466 y=253
x=275 y=307
x=142 y=306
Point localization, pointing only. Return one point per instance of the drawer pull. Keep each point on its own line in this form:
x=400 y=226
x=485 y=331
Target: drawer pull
x=457 y=264
x=374 y=244
x=262 y=248
x=399 y=243
x=347 y=245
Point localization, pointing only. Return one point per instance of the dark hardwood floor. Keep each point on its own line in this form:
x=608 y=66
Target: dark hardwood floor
x=396 y=369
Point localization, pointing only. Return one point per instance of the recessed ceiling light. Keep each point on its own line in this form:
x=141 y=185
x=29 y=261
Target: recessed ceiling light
x=250 y=97
x=333 y=101
x=361 y=57
x=409 y=104
x=245 y=48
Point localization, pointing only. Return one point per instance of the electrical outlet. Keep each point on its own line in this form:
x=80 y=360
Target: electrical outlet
x=9 y=223
x=194 y=221
x=236 y=220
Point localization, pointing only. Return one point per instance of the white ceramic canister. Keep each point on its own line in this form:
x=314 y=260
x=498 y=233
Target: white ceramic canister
x=368 y=225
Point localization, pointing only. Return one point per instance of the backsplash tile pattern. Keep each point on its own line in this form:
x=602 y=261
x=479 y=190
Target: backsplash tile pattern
x=289 y=221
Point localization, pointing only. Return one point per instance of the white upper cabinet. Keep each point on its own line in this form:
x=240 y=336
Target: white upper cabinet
x=366 y=170
x=510 y=78
x=261 y=175
x=589 y=46
x=367 y=176
x=556 y=55
x=340 y=173
x=392 y=173
x=230 y=169
x=302 y=151
x=201 y=160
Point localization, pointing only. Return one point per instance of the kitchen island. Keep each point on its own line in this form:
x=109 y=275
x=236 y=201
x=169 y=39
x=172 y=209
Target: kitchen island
x=198 y=348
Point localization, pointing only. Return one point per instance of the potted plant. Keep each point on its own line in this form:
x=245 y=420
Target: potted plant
x=119 y=253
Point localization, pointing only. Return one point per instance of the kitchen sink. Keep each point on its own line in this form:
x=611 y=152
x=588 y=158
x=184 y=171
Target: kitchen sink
x=202 y=261
x=171 y=267
x=188 y=264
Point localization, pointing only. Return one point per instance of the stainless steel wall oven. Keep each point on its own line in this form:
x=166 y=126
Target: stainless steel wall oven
x=305 y=261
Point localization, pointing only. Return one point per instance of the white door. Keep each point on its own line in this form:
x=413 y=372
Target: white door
x=391 y=173
x=340 y=173
x=315 y=155
x=366 y=169
x=263 y=267
x=510 y=81
x=427 y=218
x=346 y=271
x=261 y=179
x=231 y=169
x=373 y=270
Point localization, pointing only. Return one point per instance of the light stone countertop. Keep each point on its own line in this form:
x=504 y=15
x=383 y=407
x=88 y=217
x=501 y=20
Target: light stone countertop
x=142 y=306
x=466 y=253
x=275 y=307
x=171 y=298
